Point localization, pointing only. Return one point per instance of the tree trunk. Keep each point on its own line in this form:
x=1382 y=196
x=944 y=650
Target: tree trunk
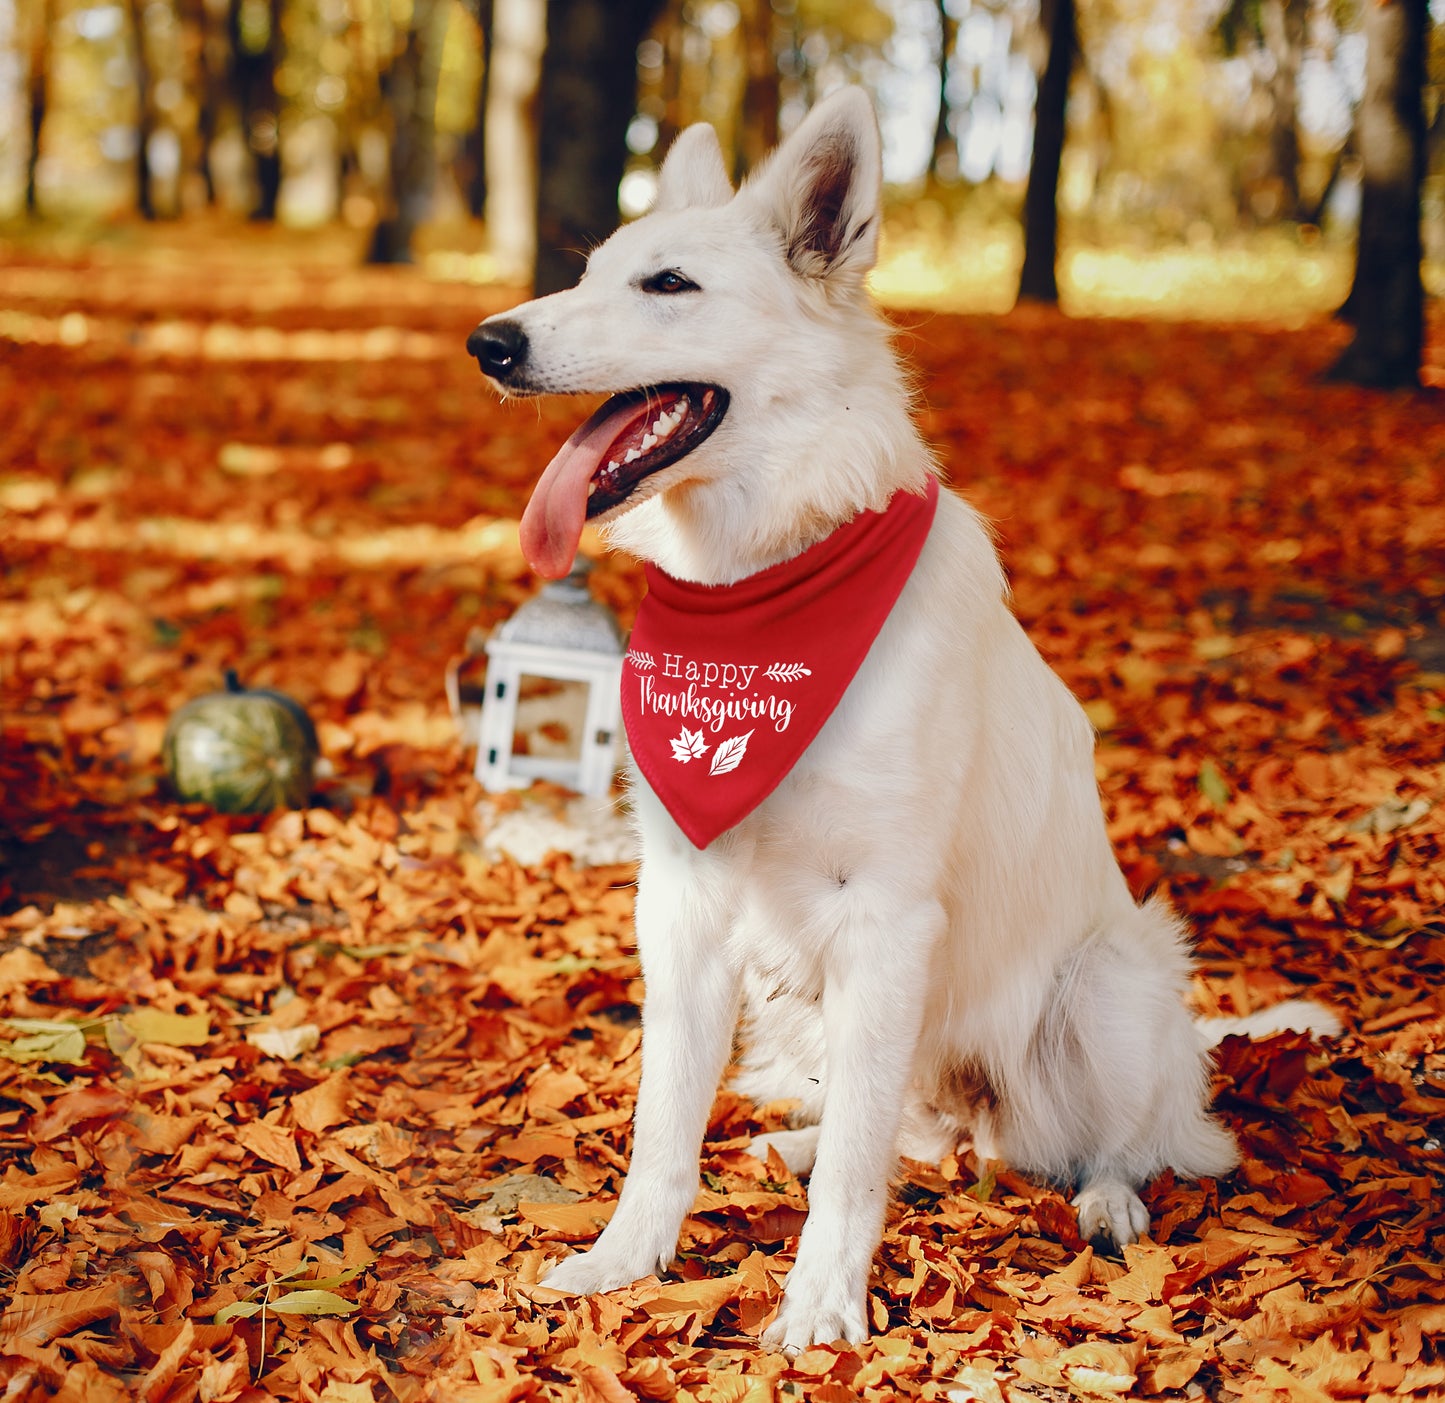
x=1038 y=281
x=673 y=37
x=1282 y=23
x=409 y=86
x=477 y=138
x=1387 y=301
x=254 y=48
x=943 y=161
x=588 y=90
x=39 y=42
x=519 y=36
x=145 y=125
x=214 y=65
x=758 y=130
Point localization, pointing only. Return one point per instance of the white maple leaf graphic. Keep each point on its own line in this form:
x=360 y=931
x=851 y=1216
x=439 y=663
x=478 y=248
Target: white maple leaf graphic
x=688 y=746
x=729 y=755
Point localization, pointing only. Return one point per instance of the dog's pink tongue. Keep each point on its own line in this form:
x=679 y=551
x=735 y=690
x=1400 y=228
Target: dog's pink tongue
x=552 y=524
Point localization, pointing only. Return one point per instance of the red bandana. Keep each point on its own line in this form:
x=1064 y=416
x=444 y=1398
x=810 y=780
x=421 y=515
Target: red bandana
x=725 y=686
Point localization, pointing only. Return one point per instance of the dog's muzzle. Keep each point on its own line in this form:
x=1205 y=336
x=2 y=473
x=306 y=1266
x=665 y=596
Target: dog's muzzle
x=500 y=348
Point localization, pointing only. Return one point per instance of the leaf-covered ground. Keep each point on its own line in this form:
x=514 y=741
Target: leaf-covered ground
x=339 y=1079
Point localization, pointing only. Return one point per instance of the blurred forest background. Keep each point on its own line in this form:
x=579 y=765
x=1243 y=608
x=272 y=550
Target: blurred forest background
x=1209 y=156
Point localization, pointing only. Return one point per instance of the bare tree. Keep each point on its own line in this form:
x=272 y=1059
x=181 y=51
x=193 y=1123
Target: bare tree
x=1273 y=32
x=476 y=144
x=409 y=87
x=1283 y=26
x=39 y=44
x=588 y=91
x=1038 y=281
x=255 y=27
x=758 y=128
x=145 y=92
x=1387 y=301
x=943 y=160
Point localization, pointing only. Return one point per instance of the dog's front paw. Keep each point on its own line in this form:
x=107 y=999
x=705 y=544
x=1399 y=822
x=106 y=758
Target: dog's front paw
x=588 y=1273
x=816 y=1316
x=1111 y=1213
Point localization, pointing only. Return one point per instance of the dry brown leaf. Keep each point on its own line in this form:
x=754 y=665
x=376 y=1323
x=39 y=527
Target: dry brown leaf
x=270 y=1142
x=38 y=1319
x=324 y=1105
x=157 y=1383
x=85 y=1104
x=569 y=1221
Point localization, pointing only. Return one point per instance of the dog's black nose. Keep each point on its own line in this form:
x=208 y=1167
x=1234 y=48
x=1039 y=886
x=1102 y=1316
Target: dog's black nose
x=500 y=348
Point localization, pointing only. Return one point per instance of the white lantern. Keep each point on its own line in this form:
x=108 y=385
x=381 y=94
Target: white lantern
x=554 y=676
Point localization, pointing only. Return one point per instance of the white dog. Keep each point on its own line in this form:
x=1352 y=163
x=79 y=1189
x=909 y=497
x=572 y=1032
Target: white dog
x=916 y=912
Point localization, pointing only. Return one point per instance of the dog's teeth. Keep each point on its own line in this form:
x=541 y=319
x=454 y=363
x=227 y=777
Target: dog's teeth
x=631 y=456
x=649 y=442
x=591 y=488
x=613 y=465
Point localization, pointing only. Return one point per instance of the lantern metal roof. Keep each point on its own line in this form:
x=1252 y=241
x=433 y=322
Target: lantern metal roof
x=564 y=614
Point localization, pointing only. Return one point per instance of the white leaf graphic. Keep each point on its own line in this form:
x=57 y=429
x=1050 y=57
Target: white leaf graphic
x=643 y=662
x=788 y=672
x=729 y=755
x=689 y=746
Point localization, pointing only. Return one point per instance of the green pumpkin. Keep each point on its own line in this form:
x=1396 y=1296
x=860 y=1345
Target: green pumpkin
x=241 y=751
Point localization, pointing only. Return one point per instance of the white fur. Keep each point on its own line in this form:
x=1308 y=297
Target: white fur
x=923 y=929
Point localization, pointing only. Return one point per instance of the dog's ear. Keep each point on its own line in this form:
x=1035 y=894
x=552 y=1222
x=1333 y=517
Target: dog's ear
x=693 y=175
x=823 y=187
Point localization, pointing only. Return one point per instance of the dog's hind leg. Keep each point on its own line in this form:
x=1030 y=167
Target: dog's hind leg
x=1114 y=1085
x=798 y=1149
x=689 y=1015
x=923 y=1135
x=783 y=1059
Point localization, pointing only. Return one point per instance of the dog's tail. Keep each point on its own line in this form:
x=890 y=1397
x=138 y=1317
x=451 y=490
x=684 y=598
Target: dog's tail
x=1292 y=1016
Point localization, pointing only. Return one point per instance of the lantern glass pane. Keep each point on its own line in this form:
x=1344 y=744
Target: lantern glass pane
x=551 y=719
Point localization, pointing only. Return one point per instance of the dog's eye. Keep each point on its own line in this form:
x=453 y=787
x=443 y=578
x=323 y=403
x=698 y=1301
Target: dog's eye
x=669 y=281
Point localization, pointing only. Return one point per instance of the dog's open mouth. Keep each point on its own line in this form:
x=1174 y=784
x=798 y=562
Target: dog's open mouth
x=658 y=426
x=632 y=436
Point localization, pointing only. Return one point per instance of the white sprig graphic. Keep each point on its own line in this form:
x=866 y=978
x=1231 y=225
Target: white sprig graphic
x=643 y=662
x=689 y=746
x=788 y=672
x=729 y=755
